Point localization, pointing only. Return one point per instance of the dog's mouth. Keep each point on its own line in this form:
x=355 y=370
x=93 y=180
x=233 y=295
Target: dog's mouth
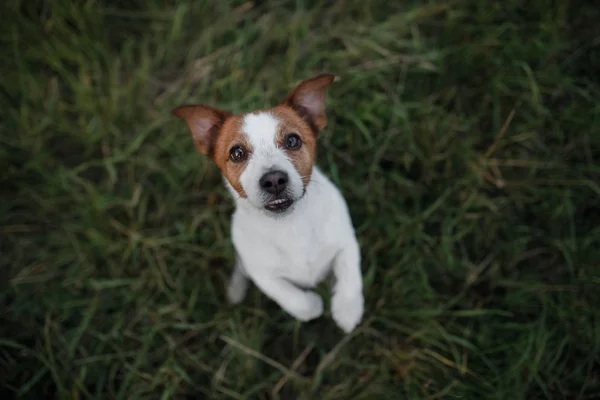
x=279 y=205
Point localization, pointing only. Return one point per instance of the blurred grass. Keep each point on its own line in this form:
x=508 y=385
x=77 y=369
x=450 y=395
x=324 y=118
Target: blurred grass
x=464 y=136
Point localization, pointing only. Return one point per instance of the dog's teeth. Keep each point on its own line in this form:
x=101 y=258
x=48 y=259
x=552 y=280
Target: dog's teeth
x=278 y=201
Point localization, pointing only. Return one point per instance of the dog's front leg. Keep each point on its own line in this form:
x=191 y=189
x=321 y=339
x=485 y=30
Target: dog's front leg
x=302 y=305
x=347 y=302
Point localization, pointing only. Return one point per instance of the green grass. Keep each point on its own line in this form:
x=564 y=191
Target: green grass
x=465 y=136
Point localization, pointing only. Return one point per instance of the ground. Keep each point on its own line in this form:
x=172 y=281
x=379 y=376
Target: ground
x=464 y=135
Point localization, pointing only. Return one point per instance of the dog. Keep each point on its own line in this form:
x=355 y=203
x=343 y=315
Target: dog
x=291 y=227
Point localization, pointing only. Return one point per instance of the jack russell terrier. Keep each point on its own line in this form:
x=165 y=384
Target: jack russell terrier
x=291 y=226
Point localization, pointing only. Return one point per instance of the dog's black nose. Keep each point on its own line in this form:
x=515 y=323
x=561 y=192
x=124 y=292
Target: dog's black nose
x=274 y=182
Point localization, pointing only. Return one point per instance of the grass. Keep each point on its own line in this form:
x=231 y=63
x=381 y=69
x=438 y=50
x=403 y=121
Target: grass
x=464 y=135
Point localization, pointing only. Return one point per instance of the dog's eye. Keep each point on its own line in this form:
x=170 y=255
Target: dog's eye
x=237 y=154
x=293 y=141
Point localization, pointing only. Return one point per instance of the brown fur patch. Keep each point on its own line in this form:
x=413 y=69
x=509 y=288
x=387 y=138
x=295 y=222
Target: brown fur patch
x=229 y=136
x=290 y=122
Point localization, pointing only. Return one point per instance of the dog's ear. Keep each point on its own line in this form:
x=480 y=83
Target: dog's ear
x=204 y=123
x=308 y=100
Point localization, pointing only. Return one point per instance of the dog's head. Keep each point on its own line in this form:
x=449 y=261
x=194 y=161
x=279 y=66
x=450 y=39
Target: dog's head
x=266 y=156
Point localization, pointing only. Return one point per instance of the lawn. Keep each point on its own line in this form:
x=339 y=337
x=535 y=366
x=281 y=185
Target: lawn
x=465 y=136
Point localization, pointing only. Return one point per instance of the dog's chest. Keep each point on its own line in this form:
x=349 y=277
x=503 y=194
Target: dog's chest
x=305 y=258
x=301 y=253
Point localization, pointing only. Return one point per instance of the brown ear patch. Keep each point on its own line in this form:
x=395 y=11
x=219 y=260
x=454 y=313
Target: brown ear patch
x=303 y=158
x=308 y=100
x=204 y=123
x=215 y=132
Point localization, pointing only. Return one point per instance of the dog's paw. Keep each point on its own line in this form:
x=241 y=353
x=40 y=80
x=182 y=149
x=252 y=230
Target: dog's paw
x=347 y=310
x=311 y=308
x=234 y=295
x=237 y=288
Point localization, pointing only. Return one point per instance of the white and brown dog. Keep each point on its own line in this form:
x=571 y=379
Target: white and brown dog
x=291 y=226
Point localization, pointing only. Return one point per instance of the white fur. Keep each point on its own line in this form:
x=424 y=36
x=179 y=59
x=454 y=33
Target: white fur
x=283 y=254
x=261 y=129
